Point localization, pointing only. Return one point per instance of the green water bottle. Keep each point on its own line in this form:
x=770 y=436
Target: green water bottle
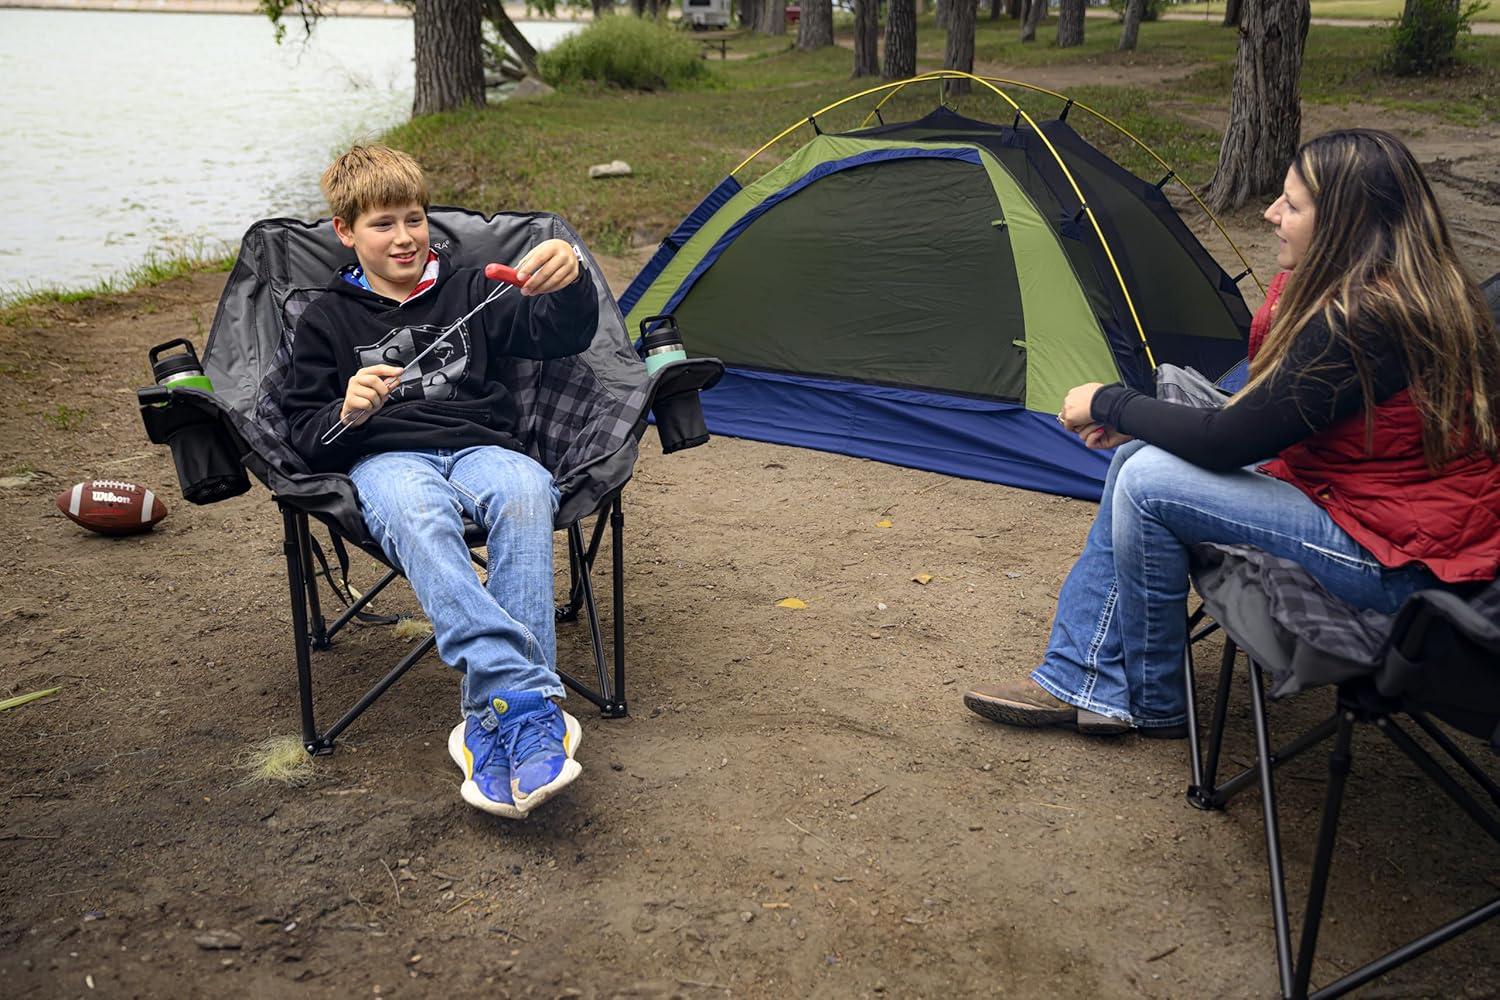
x=179 y=371
x=662 y=345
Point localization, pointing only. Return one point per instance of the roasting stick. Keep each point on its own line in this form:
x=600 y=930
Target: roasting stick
x=495 y=272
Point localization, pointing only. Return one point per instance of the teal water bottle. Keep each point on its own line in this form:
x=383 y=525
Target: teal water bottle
x=178 y=371
x=662 y=345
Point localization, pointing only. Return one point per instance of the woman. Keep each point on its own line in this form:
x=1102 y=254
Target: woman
x=1372 y=404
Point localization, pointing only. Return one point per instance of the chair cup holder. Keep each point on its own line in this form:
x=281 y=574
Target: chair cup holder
x=675 y=405
x=209 y=467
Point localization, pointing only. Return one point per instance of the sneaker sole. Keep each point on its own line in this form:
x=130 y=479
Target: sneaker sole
x=1012 y=713
x=571 y=769
x=572 y=737
x=469 y=791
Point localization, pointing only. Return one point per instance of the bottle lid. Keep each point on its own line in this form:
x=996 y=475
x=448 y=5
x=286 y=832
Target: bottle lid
x=662 y=336
x=176 y=364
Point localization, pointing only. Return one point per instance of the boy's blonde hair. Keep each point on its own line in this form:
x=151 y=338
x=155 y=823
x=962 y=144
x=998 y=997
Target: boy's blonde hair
x=371 y=177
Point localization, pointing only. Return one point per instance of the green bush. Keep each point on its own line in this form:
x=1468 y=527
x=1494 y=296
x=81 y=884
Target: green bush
x=1425 y=39
x=622 y=51
x=1150 y=12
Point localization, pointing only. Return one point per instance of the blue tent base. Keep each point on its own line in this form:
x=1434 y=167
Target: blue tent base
x=982 y=439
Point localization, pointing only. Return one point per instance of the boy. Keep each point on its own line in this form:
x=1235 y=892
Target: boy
x=428 y=443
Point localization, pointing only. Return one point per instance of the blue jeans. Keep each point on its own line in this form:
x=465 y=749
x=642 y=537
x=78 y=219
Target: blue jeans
x=1120 y=632
x=501 y=634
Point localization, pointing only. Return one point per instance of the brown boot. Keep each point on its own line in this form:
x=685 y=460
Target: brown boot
x=1027 y=703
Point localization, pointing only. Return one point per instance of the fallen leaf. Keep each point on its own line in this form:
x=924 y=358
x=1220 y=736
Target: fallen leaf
x=923 y=578
x=791 y=602
x=885 y=524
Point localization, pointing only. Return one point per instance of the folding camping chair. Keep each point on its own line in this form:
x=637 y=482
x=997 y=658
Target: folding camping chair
x=582 y=418
x=1438 y=657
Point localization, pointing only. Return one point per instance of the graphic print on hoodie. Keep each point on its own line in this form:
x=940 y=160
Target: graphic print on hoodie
x=437 y=375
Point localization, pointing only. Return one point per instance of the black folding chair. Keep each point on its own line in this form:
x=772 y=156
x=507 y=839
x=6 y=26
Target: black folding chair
x=1437 y=658
x=582 y=418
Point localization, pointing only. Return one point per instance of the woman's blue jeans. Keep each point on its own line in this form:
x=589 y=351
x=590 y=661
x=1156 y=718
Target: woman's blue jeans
x=501 y=634
x=1120 y=632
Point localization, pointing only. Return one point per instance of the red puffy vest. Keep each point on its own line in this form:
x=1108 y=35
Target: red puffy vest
x=1385 y=496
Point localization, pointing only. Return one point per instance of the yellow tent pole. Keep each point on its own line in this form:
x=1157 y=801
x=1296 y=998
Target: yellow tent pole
x=804 y=120
x=1118 y=128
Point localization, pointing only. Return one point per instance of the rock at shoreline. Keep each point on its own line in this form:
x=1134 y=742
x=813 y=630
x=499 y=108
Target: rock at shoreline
x=530 y=87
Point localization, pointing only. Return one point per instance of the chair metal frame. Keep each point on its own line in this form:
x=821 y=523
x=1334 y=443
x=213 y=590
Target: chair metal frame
x=1355 y=702
x=311 y=631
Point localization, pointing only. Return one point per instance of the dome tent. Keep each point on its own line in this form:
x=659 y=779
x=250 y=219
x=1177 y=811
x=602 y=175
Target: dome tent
x=925 y=292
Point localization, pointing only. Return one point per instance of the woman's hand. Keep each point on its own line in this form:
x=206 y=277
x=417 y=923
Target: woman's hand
x=1100 y=437
x=1077 y=413
x=367 y=390
x=550 y=265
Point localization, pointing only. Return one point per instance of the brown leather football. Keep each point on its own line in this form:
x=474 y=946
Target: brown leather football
x=111 y=506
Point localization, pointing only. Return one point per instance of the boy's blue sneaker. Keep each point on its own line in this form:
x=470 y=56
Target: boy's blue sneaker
x=539 y=739
x=486 y=767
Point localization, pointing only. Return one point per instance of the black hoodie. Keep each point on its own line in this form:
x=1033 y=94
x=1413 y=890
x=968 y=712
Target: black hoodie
x=452 y=399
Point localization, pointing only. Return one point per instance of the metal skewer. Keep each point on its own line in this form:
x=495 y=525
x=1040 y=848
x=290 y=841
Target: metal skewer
x=360 y=416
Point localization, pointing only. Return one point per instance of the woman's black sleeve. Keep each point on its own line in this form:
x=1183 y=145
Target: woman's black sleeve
x=1316 y=385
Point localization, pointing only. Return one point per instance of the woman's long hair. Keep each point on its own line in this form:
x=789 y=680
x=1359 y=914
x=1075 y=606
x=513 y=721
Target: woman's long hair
x=1381 y=264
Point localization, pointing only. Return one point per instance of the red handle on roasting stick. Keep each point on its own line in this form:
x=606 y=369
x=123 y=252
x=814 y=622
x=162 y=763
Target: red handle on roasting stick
x=508 y=278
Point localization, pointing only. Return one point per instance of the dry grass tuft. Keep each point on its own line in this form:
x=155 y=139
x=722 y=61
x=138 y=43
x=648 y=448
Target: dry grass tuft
x=412 y=629
x=279 y=759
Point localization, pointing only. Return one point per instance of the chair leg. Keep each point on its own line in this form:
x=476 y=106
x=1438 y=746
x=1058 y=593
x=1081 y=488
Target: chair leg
x=301 y=640
x=617 y=569
x=1459 y=757
x=1204 y=792
x=1264 y=767
x=1338 y=774
x=310 y=579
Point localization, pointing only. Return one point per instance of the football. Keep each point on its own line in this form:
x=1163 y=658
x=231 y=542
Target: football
x=111 y=507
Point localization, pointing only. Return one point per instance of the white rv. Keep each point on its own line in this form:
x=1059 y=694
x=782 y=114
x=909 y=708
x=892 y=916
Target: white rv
x=703 y=14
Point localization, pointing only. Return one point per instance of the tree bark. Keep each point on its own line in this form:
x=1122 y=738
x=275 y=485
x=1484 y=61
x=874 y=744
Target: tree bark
x=1069 y=23
x=815 y=26
x=1265 y=104
x=943 y=14
x=771 y=17
x=1132 y=28
x=448 y=56
x=1035 y=11
x=1233 y=11
x=749 y=13
x=995 y=6
x=1015 y=9
x=866 y=38
x=601 y=8
x=900 y=40
x=958 y=52
x=494 y=12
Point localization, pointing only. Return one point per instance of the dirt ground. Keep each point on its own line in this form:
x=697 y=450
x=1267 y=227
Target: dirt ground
x=798 y=804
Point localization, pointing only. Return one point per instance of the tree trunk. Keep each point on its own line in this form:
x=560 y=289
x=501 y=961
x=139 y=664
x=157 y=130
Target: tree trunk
x=449 y=58
x=1132 y=28
x=866 y=38
x=958 y=53
x=639 y=6
x=749 y=13
x=494 y=12
x=771 y=17
x=1233 y=10
x=1035 y=11
x=943 y=14
x=995 y=6
x=815 y=26
x=900 y=40
x=1015 y=9
x=1069 y=23
x=1265 y=105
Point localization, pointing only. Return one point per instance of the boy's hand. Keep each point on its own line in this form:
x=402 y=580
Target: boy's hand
x=368 y=388
x=549 y=266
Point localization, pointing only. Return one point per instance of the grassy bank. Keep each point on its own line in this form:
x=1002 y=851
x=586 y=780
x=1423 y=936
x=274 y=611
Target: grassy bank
x=535 y=154
x=157 y=269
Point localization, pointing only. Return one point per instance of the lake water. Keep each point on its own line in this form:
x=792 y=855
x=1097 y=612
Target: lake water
x=127 y=134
